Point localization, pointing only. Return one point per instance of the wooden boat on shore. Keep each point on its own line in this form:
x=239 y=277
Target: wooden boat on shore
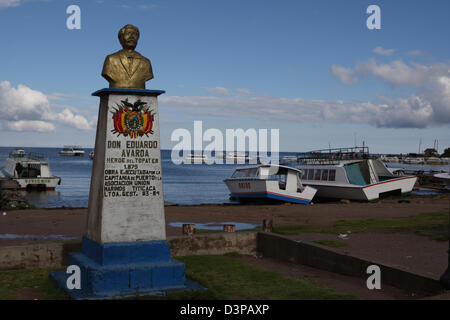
x=350 y=173
x=30 y=170
x=269 y=182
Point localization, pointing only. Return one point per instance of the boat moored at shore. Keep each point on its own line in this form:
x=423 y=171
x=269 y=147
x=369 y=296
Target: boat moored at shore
x=269 y=182
x=350 y=173
x=31 y=171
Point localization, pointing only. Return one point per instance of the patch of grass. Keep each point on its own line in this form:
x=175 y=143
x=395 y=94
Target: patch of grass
x=22 y=206
x=332 y=243
x=422 y=222
x=228 y=278
x=225 y=277
x=436 y=236
x=34 y=281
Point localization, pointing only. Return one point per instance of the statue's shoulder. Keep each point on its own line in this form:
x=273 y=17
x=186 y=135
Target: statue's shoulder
x=112 y=56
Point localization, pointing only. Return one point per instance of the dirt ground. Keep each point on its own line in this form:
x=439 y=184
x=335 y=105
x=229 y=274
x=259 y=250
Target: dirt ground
x=72 y=221
x=338 y=282
x=402 y=249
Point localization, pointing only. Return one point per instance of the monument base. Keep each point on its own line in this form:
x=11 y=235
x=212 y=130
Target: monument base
x=125 y=269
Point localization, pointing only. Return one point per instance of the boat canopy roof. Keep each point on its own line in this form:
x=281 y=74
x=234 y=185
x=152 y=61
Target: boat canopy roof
x=267 y=166
x=332 y=156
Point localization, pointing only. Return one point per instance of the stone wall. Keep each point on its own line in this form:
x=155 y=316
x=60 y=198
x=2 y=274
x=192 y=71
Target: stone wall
x=55 y=255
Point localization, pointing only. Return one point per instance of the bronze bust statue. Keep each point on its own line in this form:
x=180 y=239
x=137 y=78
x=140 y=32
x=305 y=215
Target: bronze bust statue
x=127 y=68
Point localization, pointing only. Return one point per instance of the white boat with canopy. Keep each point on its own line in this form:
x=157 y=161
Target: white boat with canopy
x=30 y=170
x=75 y=151
x=350 y=173
x=195 y=158
x=269 y=182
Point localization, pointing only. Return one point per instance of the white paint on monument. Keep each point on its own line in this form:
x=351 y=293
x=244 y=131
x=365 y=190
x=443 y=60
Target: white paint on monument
x=126 y=201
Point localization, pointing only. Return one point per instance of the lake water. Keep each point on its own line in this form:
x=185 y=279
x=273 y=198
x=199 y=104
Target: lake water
x=183 y=184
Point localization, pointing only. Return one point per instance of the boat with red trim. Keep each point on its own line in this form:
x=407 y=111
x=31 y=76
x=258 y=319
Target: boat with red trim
x=351 y=173
x=269 y=182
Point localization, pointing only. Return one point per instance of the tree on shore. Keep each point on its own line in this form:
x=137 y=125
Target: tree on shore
x=446 y=153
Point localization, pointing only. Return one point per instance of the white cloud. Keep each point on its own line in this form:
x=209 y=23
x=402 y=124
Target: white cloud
x=9 y=3
x=67 y=117
x=30 y=125
x=395 y=73
x=383 y=52
x=23 y=108
x=243 y=90
x=346 y=75
x=416 y=111
x=218 y=90
x=57 y=96
x=415 y=53
x=429 y=106
x=268 y=108
x=22 y=103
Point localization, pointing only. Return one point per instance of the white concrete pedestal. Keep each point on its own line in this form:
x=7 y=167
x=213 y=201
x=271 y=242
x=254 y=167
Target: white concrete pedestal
x=126 y=200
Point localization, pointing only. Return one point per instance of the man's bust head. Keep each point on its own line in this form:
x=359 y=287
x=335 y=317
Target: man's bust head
x=127 y=68
x=128 y=37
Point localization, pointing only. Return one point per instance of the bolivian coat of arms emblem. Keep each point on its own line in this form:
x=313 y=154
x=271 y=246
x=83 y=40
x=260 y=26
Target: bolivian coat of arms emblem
x=132 y=119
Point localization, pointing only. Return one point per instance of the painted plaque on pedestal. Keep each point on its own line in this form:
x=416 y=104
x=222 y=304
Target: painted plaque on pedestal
x=126 y=200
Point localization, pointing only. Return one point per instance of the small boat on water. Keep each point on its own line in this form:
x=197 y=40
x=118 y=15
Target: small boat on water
x=269 y=182
x=412 y=160
x=238 y=157
x=433 y=161
x=389 y=158
x=195 y=158
x=72 y=151
x=350 y=173
x=30 y=170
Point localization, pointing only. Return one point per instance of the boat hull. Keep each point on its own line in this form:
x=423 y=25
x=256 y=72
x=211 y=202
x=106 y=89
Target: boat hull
x=38 y=183
x=243 y=189
x=365 y=193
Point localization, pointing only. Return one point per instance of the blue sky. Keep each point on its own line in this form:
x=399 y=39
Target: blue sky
x=310 y=68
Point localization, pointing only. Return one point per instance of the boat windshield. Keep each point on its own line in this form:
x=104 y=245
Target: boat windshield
x=245 y=173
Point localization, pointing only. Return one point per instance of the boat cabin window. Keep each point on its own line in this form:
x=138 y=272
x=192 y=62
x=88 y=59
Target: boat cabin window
x=27 y=171
x=282 y=178
x=304 y=174
x=332 y=175
x=245 y=173
x=252 y=172
x=325 y=175
x=299 y=183
x=318 y=173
